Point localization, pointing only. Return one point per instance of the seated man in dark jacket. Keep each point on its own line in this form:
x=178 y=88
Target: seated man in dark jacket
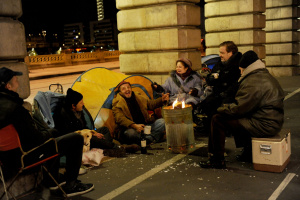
x=222 y=79
x=131 y=114
x=257 y=112
x=71 y=118
x=13 y=113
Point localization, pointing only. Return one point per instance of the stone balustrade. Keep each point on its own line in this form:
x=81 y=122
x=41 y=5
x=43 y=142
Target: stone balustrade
x=71 y=59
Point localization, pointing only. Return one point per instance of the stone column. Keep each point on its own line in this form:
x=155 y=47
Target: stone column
x=154 y=34
x=282 y=37
x=13 y=42
x=240 y=21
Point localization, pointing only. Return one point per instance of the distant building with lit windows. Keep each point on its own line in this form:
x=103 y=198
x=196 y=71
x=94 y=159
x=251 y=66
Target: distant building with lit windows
x=104 y=32
x=73 y=34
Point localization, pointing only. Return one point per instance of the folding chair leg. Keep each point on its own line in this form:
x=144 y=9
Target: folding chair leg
x=3 y=182
x=65 y=195
x=12 y=181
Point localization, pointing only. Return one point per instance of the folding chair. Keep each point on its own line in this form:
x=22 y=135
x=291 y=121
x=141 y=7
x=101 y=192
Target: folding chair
x=32 y=158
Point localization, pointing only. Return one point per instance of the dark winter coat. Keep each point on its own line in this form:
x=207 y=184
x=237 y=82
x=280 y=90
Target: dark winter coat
x=12 y=112
x=259 y=102
x=66 y=122
x=226 y=84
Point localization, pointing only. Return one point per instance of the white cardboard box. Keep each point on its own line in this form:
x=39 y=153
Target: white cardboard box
x=272 y=154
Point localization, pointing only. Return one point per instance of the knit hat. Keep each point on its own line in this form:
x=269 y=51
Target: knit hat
x=7 y=74
x=186 y=61
x=73 y=97
x=248 y=58
x=122 y=83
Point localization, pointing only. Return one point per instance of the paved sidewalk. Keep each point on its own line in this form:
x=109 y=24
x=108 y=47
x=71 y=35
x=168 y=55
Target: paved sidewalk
x=47 y=72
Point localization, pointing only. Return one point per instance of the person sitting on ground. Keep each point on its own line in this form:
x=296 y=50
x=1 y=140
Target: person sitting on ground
x=70 y=118
x=221 y=82
x=70 y=145
x=183 y=83
x=131 y=115
x=257 y=112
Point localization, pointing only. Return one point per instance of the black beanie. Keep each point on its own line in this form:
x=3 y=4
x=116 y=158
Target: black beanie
x=73 y=97
x=248 y=58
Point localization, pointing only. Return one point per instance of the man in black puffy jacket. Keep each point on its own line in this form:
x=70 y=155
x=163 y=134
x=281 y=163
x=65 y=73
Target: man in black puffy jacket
x=257 y=112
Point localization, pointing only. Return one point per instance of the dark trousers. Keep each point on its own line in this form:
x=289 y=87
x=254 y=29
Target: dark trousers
x=106 y=143
x=69 y=145
x=220 y=125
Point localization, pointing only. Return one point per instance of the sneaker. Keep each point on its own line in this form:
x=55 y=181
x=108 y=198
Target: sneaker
x=82 y=170
x=61 y=181
x=115 y=152
x=78 y=188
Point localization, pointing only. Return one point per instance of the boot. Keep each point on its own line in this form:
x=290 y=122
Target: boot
x=214 y=162
x=132 y=148
x=246 y=155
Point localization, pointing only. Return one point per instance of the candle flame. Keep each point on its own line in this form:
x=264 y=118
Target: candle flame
x=183 y=104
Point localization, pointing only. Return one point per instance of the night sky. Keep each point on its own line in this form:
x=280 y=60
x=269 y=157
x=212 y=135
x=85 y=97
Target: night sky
x=52 y=15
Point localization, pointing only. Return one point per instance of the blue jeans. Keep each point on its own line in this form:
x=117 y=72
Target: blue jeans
x=158 y=129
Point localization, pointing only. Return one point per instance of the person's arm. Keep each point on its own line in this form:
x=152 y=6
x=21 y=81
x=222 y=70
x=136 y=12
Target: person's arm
x=156 y=103
x=247 y=99
x=138 y=127
x=60 y=122
x=29 y=135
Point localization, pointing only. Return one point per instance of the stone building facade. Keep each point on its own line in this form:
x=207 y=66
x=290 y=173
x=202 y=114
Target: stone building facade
x=13 y=42
x=155 y=33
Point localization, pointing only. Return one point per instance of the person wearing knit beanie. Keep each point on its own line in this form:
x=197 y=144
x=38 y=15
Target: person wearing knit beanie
x=73 y=98
x=248 y=58
x=185 y=61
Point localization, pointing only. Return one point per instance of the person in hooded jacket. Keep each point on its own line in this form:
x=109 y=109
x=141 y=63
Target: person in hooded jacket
x=257 y=112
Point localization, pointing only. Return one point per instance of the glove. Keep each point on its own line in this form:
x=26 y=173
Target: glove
x=158 y=88
x=194 y=92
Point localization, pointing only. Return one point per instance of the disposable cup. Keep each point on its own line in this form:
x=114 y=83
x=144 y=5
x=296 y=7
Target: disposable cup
x=147 y=130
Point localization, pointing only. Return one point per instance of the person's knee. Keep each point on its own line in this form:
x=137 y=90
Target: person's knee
x=160 y=124
x=75 y=138
x=130 y=133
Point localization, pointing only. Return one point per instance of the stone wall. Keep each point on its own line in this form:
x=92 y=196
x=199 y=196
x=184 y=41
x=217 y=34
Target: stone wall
x=240 y=21
x=154 y=34
x=12 y=54
x=13 y=42
x=282 y=40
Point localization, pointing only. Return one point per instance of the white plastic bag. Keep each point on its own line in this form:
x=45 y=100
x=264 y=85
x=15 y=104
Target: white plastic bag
x=92 y=157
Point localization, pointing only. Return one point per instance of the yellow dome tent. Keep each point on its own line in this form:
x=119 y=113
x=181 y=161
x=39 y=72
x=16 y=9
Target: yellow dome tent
x=97 y=86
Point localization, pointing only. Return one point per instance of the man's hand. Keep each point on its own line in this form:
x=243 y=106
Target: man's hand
x=165 y=97
x=99 y=135
x=138 y=127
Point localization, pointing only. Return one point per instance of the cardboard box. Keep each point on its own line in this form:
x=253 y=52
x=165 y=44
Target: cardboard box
x=272 y=154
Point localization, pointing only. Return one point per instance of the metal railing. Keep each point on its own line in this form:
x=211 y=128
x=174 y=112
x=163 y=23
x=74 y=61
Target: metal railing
x=71 y=58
